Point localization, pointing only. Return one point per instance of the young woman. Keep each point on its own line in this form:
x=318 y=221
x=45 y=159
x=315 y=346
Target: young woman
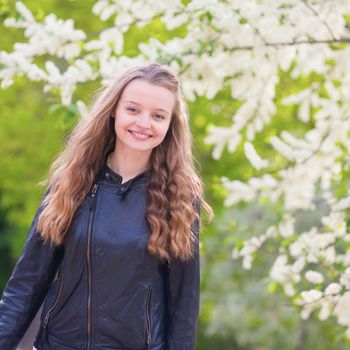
x=113 y=250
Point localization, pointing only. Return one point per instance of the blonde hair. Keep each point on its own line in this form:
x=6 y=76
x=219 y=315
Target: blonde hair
x=173 y=187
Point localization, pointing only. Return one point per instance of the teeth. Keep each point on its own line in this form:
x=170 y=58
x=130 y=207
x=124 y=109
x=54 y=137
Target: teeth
x=144 y=136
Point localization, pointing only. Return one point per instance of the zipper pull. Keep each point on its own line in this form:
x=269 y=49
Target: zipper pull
x=46 y=320
x=149 y=337
x=93 y=193
x=94 y=190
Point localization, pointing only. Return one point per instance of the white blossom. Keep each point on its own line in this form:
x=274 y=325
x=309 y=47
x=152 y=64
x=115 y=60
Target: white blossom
x=326 y=310
x=83 y=111
x=243 y=46
x=333 y=288
x=253 y=157
x=284 y=273
x=314 y=277
x=286 y=227
x=342 y=310
x=311 y=296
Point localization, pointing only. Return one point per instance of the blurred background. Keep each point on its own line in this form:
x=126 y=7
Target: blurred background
x=241 y=309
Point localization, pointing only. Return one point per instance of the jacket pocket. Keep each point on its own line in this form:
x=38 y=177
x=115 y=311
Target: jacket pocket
x=52 y=308
x=148 y=315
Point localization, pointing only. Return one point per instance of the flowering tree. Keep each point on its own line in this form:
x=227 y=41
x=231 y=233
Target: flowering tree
x=252 y=47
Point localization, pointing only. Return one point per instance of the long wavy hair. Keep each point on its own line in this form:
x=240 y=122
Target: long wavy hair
x=173 y=191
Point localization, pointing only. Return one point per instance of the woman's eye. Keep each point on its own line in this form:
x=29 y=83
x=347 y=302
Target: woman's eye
x=133 y=110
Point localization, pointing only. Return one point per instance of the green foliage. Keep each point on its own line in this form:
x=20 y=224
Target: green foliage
x=239 y=310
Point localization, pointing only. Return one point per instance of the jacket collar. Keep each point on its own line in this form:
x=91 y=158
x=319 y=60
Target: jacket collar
x=108 y=175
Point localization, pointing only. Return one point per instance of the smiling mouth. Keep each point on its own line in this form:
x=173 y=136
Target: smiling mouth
x=139 y=135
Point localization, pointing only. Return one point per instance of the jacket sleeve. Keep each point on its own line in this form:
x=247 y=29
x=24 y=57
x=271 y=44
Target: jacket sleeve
x=183 y=298
x=27 y=286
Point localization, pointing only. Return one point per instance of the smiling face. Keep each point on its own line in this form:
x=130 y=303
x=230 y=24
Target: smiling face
x=142 y=117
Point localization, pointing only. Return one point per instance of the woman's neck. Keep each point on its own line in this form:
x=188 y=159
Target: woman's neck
x=127 y=167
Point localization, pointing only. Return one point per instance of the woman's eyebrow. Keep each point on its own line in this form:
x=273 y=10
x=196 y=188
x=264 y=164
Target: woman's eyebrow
x=159 y=109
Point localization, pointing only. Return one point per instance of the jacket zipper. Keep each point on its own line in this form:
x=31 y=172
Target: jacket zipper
x=148 y=314
x=47 y=316
x=88 y=255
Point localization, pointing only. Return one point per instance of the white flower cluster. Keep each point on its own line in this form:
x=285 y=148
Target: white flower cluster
x=245 y=45
x=140 y=12
x=54 y=37
x=251 y=246
x=312 y=248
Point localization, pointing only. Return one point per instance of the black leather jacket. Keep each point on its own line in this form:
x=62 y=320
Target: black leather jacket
x=101 y=289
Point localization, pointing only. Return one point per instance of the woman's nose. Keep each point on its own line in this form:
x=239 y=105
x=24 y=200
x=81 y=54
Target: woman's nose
x=143 y=121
